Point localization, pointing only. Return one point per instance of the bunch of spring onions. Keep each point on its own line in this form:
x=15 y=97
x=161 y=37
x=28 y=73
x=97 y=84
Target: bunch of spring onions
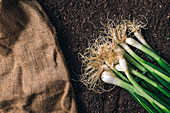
x=110 y=59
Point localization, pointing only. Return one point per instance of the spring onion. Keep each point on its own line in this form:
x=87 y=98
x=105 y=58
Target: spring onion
x=110 y=60
x=139 y=46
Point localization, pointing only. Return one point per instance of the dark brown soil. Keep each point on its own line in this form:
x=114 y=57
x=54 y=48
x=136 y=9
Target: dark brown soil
x=74 y=31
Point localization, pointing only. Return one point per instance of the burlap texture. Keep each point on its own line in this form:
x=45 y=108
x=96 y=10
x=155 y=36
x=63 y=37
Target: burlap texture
x=33 y=75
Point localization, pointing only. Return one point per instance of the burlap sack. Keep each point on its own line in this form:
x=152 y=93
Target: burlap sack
x=33 y=76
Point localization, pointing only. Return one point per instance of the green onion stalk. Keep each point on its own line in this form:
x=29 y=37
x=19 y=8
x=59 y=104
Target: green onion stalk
x=124 y=67
x=135 y=27
x=141 y=75
x=147 y=105
x=151 y=82
x=141 y=47
x=138 y=65
x=104 y=59
x=153 y=69
x=110 y=78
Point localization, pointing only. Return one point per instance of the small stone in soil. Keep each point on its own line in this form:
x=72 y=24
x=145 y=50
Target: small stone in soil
x=75 y=50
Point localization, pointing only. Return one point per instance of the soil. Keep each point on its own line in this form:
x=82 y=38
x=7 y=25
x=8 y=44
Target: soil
x=71 y=19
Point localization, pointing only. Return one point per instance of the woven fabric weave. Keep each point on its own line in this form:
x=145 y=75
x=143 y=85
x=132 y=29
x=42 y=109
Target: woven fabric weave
x=33 y=74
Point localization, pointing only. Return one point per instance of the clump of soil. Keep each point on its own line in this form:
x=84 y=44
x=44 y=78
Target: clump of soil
x=78 y=21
